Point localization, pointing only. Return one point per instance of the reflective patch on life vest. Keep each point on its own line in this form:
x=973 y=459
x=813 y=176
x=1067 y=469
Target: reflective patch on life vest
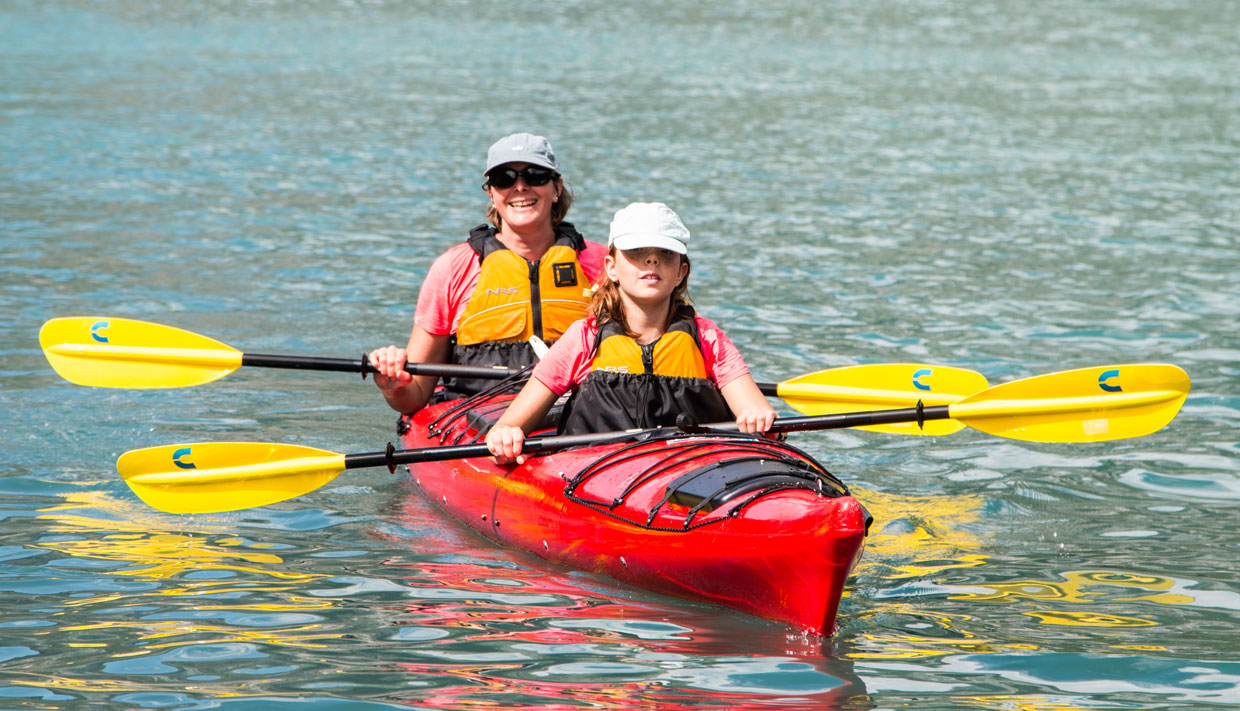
x=565 y=274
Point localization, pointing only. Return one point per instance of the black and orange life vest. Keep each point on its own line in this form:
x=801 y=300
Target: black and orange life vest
x=516 y=299
x=638 y=386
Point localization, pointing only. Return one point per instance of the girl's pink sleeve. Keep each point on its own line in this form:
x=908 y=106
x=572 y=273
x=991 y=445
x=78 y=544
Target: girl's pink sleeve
x=446 y=290
x=723 y=362
x=568 y=362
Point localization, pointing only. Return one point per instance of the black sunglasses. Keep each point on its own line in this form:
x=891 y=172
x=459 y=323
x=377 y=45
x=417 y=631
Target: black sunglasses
x=534 y=176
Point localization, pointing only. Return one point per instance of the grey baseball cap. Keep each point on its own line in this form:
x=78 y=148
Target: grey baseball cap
x=648 y=224
x=521 y=148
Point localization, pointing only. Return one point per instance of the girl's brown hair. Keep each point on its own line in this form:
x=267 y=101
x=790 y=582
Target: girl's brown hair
x=606 y=304
x=559 y=209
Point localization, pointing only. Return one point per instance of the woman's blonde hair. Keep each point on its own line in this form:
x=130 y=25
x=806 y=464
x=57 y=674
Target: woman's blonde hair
x=606 y=305
x=559 y=209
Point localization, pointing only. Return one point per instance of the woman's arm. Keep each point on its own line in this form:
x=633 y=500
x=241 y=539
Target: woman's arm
x=528 y=409
x=407 y=393
x=753 y=412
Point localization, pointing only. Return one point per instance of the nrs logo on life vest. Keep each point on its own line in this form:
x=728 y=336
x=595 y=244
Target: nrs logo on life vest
x=503 y=290
x=177 y=458
x=1108 y=375
x=918 y=375
x=97 y=331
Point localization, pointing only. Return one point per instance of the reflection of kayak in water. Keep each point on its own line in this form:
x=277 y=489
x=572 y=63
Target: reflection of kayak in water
x=740 y=521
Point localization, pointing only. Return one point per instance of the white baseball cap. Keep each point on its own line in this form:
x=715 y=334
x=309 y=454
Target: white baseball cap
x=521 y=148
x=648 y=224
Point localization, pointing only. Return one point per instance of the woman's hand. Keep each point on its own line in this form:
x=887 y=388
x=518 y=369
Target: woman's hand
x=505 y=442
x=755 y=419
x=390 y=364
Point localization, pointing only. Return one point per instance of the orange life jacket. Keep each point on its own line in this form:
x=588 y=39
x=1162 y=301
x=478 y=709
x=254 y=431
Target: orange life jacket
x=639 y=386
x=516 y=299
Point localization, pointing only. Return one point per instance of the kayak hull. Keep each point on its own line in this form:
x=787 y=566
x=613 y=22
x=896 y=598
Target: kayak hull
x=779 y=545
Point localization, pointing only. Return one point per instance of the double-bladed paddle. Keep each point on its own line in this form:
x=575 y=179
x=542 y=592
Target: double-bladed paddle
x=125 y=353
x=1086 y=405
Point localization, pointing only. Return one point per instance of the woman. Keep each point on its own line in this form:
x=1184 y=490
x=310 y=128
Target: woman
x=642 y=357
x=526 y=274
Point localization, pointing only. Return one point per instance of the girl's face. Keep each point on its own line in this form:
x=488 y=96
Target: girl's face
x=524 y=207
x=646 y=276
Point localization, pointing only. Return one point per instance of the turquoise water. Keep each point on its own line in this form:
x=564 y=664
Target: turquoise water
x=1010 y=187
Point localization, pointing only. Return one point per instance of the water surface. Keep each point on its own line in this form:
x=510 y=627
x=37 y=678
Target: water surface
x=1012 y=188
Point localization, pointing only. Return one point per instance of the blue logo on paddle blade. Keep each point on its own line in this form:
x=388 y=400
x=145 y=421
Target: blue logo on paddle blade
x=97 y=329
x=176 y=458
x=1102 y=381
x=923 y=373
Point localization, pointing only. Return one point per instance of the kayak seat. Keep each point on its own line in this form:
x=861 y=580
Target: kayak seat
x=710 y=487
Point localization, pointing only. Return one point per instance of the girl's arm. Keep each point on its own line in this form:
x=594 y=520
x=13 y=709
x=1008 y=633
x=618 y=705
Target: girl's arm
x=528 y=409
x=753 y=412
x=725 y=364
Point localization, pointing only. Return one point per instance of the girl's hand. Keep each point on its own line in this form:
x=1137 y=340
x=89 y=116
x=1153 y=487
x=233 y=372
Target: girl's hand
x=756 y=418
x=505 y=443
x=390 y=362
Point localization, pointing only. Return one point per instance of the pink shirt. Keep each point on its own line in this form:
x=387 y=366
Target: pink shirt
x=453 y=277
x=568 y=363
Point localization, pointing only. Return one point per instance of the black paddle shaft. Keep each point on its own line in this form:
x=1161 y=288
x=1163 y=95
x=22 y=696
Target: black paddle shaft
x=393 y=457
x=363 y=366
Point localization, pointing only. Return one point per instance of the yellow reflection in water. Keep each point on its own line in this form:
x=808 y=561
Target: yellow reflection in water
x=285 y=637
x=934 y=538
x=1084 y=586
x=1023 y=703
x=116 y=687
x=951 y=638
x=153 y=554
x=1087 y=619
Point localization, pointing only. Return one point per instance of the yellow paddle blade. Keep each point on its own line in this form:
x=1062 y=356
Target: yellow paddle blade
x=122 y=353
x=225 y=476
x=881 y=386
x=1086 y=405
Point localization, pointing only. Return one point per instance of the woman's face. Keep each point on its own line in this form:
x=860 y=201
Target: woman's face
x=523 y=207
x=648 y=276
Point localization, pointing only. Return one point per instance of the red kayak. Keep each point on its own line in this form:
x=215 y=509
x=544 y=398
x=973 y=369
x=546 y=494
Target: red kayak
x=741 y=521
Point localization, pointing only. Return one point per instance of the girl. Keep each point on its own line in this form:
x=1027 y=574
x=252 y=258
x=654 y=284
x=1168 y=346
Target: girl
x=641 y=357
